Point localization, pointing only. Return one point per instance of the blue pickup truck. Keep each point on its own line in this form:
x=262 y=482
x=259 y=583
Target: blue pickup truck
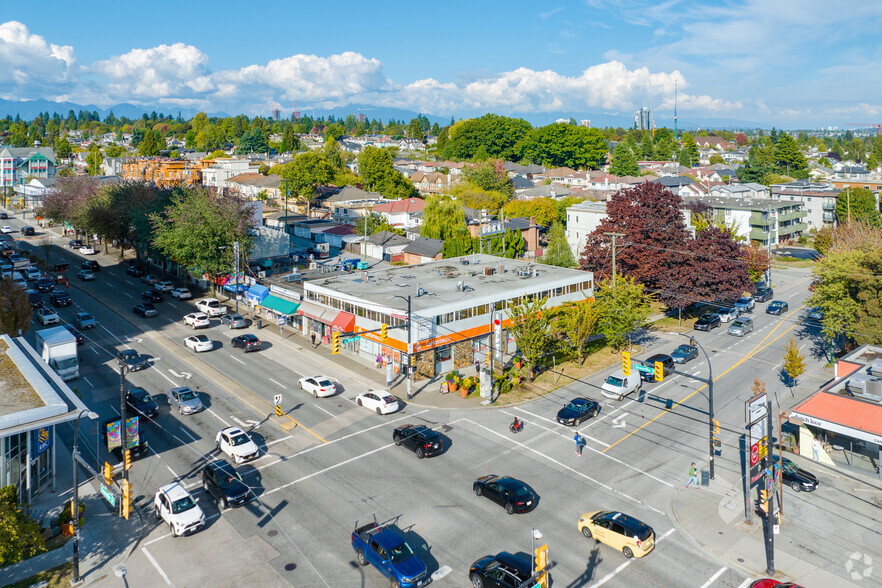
x=383 y=547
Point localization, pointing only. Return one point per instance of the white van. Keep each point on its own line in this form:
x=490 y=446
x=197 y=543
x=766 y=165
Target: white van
x=618 y=385
x=211 y=307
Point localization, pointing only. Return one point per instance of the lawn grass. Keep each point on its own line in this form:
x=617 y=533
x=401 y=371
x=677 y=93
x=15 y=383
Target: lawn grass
x=788 y=261
x=54 y=578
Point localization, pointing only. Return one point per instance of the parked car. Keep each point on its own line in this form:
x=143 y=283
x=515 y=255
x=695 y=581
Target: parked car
x=237 y=444
x=741 y=326
x=684 y=353
x=81 y=340
x=144 y=310
x=136 y=271
x=141 y=403
x=197 y=320
x=186 y=401
x=149 y=279
x=234 y=320
x=87 y=250
x=164 y=286
x=632 y=537
x=91 y=265
x=776 y=307
x=618 y=385
x=744 y=304
x=318 y=386
x=85 y=275
x=5 y=229
x=667 y=365
x=248 y=342
x=420 y=439
x=60 y=298
x=796 y=477
x=28 y=231
x=512 y=494
x=32 y=273
x=151 y=296
x=815 y=314
x=84 y=320
x=181 y=294
x=35 y=298
x=503 y=570
x=223 y=483
x=4 y=215
x=378 y=400
x=75 y=243
x=763 y=294
x=133 y=360
x=707 y=321
x=47 y=316
x=577 y=411
x=199 y=343
x=176 y=507
x=211 y=307
x=727 y=314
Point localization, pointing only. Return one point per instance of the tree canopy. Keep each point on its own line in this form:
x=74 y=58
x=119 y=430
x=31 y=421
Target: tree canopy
x=497 y=135
x=857 y=205
x=623 y=161
x=560 y=144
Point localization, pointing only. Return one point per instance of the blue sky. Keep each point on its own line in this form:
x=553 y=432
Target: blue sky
x=789 y=63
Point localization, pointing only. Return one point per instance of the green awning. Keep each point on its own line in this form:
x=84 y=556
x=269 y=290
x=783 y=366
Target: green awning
x=280 y=305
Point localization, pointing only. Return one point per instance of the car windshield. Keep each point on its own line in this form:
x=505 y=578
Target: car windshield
x=187 y=395
x=202 y=338
x=240 y=439
x=141 y=399
x=681 y=350
x=66 y=363
x=400 y=553
x=614 y=381
x=235 y=317
x=575 y=405
x=738 y=323
x=129 y=354
x=183 y=504
x=85 y=317
x=707 y=316
x=744 y=301
x=518 y=491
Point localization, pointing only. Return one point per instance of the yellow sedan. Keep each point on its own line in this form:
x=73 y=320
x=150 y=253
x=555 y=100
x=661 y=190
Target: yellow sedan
x=618 y=530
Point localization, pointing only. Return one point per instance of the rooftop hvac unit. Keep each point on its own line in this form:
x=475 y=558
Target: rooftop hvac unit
x=525 y=272
x=488 y=271
x=500 y=269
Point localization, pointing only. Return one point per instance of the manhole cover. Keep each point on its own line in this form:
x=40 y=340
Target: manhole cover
x=740 y=560
x=272 y=532
x=290 y=566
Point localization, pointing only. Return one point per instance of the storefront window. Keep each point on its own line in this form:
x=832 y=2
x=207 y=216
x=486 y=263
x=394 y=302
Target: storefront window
x=443 y=354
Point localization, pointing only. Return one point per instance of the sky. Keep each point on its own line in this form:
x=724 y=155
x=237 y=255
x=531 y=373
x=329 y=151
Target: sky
x=787 y=63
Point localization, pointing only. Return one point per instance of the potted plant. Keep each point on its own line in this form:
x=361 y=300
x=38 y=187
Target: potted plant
x=465 y=386
x=518 y=362
x=452 y=381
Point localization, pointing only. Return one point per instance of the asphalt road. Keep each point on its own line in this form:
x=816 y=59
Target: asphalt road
x=339 y=463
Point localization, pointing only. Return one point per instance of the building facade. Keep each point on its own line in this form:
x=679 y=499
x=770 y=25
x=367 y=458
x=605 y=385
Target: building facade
x=18 y=165
x=763 y=220
x=818 y=200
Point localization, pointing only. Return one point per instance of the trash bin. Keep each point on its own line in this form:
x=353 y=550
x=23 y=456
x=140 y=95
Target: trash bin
x=705 y=477
x=259 y=324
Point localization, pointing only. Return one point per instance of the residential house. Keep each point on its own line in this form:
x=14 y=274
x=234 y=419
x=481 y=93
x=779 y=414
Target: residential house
x=718 y=143
x=161 y=171
x=430 y=183
x=556 y=191
x=404 y=213
x=822 y=173
x=748 y=190
x=486 y=227
x=384 y=245
x=253 y=185
x=216 y=172
x=334 y=236
x=18 y=165
x=423 y=250
x=350 y=203
x=557 y=174
x=529 y=172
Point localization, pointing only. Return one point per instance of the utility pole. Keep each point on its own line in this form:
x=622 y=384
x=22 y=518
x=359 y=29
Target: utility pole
x=236 y=269
x=122 y=411
x=409 y=357
x=768 y=531
x=614 y=235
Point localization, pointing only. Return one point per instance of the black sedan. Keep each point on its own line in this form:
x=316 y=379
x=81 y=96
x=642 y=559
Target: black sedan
x=776 y=307
x=136 y=271
x=796 y=477
x=420 y=439
x=28 y=231
x=684 y=353
x=91 y=265
x=134 y=361
x=511 y=494
x=577 y=411
x=77 y=335
x=140 y=402
x=225 y=484
x=44 y=285
x=144 y=310
x=707 y=321
x=75 y=243
x=248 y=342
x=151 y=296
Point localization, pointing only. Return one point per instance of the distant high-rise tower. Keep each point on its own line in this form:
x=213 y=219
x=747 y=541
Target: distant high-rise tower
x=675 y=110
x=361 y=117
x=643 y=119
x=277 y=114
x=585 y=123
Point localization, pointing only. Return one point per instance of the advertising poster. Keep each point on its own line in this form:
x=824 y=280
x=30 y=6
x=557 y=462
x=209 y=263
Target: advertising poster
x=114 y=434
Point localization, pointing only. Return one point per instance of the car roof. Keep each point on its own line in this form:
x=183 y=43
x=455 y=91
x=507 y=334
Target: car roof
x=221 y=465
x=179 y=389
x=626 y=521
x=521 y=563
x=232 y=430
x=174 y=491
x=138 y=391
x=658 y=357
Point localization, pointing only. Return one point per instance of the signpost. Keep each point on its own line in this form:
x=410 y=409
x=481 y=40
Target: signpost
x=109 y=496
x=277 y=400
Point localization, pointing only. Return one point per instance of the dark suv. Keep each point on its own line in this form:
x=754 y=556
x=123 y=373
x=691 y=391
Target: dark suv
x=502 y=570
x=151 y=296
x=136 y=271
x=91 y=265
x=225 y=484
x=134 y=361
x=708 y=321
x=667 y=363
x=44 y=285
x=420 y=439
x=60 y=298
x=140 y=402
x=763 y=294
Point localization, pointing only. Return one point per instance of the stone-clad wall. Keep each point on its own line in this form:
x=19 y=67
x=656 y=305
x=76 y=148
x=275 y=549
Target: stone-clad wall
x=425 y=365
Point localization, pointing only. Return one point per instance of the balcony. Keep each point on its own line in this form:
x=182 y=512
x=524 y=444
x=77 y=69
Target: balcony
x=829 y=217
x=828 y=206
x=760 y=219
x=761 y=235
x=794 y=228
x=796 y=214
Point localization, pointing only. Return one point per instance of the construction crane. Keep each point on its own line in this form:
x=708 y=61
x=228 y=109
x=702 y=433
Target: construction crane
x=878 y=127
x=651 y=118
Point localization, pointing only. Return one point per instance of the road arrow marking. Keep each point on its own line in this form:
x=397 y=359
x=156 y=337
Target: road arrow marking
x=617 y=424
x=136 y=340
x=185 y=375
x=247 y=423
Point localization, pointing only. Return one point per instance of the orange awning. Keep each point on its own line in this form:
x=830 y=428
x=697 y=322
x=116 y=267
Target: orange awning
x=344 y=322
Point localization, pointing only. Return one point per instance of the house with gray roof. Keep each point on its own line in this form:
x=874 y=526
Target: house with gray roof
x=423 y=250
x=384 y=245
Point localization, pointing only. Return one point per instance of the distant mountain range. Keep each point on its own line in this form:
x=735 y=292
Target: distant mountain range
x=29 y=109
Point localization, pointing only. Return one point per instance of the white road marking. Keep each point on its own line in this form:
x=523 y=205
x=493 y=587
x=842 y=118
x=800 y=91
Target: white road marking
x=271 y=443
x=129 y=295
x=706 y=584
x=246 y=424
x=173 y=305
x=745 y=583
x=226 y=424
x=277 y=384
x=169 y=469
x=95 y=351
x=325 y=410
x=236 y=358
x=129 y=281
x=156 y=565
x=187 y=433
x=613 y=573
x=329 y=468
x=91 y=385
x=536 y=416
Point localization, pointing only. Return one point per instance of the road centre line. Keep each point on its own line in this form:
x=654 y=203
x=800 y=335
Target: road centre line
x=566 y=467
x=621 y=567
x=329 y=468
x=217 y=416
x=236 y=358
x=279 y=440
x=598 y=441
x=277 y=384
x=91 y=385
x=750 y=354
x=314 y=447
x=156 y=565
x=325 y=410
x=618 y=461
x=713 y=578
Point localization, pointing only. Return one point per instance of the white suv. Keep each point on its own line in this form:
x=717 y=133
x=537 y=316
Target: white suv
x=174 y=505
x=211 y=307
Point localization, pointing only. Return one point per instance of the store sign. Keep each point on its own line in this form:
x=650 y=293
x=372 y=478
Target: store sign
x=284 y=292
x=42 y=440
x=756 y=408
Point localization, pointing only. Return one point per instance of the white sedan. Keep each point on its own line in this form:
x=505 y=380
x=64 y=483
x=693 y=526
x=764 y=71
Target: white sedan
x=6 y=229
x=181 y=294
x=87 y=250
x=318 y=386
x=197 y=320
x=164 y=286
x=199 y=343
x=378 y=400
x=237 y=444
x=727 y=314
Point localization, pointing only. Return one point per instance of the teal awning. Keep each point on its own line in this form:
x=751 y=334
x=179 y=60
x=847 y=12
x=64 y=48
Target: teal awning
x=280 y=305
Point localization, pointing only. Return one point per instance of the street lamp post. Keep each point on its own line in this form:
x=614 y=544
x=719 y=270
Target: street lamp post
x=122 y=411
x=536 y=534
x=236 y=270
x=76 y=502
x=710 y=403
x=409 y=358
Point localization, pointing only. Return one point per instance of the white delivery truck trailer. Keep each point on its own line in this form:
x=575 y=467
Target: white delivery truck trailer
x=58 y=347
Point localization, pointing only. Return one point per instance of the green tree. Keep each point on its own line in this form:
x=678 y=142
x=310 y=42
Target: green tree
x=577 y=321
x=794 y=362
x=442 y=218
x=63 y=148
x=716 y=158
x=530 y=327
x=474 y=197
x=689 y=152
x=489 y=175
x=377 y=173
x=375 y=223
x=857 y=205
x=114 y=151
x=498 y=135
x=789 y=158
x=543 y=209
x=93 y=160
x=21 y=538
x=561 y=144
x=290 y=142
x=558 y=252
x=623 y=161
x=151 y=144
x=306 y=173
x=414 y=129
x=15 y=308
x=253 y=141
x=620 y=310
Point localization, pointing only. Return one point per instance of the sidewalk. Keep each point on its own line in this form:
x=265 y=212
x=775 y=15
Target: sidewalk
x=106 y=539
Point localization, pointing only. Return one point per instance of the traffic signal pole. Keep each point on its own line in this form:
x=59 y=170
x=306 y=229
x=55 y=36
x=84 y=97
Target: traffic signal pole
x=768 y=531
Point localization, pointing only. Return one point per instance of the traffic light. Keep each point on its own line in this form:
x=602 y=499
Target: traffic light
x=108 y=473
x=659 y=371
x=384 y=331
x=626 y=363
x=128 y=458
x=127 y=492
x=716 y=427
x=541 y=562
x=764 y=501
x=335 y=342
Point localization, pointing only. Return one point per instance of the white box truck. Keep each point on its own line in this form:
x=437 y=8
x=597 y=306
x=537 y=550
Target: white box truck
x=58 y=347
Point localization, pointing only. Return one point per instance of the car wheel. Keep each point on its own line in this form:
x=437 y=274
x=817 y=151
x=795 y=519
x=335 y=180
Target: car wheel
x=478 y=491
x=796 y=486
x=396 y=439
x=476 y=581
x=622 y=397
x=362 y=560
x=314 y=394
x=587 y=532
x=379 y=412
x=596 y=412
x=509 y=508
x=173 y=532
x=156 y=512
x=225 y=503
x=300 y=384
x=181 y=410
x=626 y=551
x=358 y=402
x=420 y=453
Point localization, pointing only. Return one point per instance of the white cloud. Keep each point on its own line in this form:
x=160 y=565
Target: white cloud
x=164 y=71
x=30 y=67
